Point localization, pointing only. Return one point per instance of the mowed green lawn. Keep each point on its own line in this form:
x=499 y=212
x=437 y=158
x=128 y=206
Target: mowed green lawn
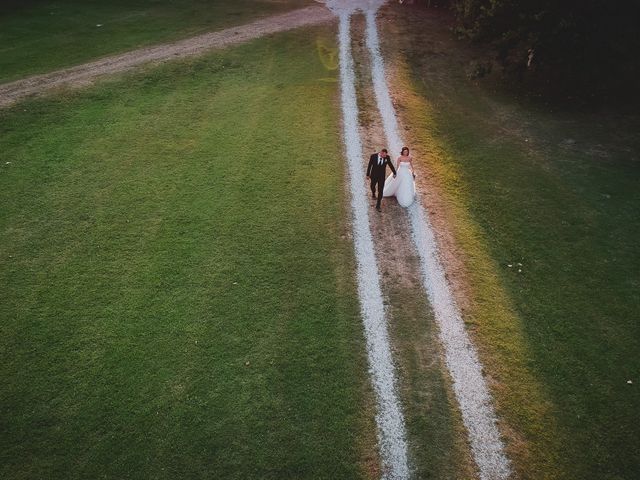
x=178 y=297
x=37 y=36
x=555 y=199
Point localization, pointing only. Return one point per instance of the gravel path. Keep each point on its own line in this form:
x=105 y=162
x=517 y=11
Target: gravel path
x=389 y=417
x=88 y=72
x=461 y=357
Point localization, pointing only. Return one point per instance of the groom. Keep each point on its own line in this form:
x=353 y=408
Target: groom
x=377 y=173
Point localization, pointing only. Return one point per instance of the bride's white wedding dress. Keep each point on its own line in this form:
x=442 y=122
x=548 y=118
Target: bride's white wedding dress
x=403 y=186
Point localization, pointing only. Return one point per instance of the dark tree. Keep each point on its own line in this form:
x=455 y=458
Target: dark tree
x=590 y=47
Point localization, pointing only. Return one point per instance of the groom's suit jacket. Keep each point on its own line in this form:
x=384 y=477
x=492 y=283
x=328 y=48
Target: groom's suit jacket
x=376 y=171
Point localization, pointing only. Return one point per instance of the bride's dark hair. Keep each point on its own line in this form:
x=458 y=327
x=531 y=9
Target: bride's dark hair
x=403 y=149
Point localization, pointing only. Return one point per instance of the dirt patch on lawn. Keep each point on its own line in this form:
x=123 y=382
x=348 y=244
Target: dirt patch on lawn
x=87 y=73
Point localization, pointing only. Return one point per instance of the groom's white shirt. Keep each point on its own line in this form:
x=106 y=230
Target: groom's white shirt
x=379 y=160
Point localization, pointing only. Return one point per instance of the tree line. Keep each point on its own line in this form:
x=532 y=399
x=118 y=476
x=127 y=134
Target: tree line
x=589 y=48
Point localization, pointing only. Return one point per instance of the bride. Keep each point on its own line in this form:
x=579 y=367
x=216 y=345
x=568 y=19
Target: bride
x=403 y=186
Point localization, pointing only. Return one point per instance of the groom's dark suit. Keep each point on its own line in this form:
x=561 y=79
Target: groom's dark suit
x=377 y=171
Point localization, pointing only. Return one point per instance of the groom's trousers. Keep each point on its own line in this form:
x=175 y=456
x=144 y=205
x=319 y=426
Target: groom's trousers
x=379 y=182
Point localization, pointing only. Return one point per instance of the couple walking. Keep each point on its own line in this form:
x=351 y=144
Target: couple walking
x=402 y=185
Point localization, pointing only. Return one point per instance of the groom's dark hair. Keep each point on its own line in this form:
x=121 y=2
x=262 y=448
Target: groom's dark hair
x=384 y=150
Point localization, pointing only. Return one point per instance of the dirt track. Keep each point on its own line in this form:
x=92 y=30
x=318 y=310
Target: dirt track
x=88 y=72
